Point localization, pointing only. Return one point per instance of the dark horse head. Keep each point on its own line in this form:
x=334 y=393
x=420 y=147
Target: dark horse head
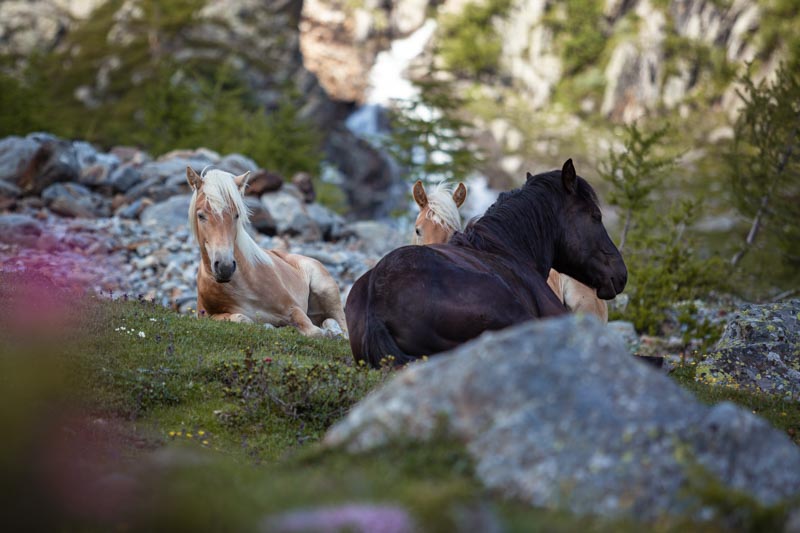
x=421 y=300
x=553 y=221
x=583 y=248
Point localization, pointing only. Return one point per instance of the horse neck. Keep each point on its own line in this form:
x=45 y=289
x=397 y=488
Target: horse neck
x=524 y=227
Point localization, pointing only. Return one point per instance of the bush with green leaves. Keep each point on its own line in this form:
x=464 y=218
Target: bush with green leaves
x=666 y=270
x=316 y=394
x=470 y=44
x=665 y=266
x=579 y=32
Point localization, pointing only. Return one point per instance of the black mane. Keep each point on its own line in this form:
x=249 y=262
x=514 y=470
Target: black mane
x=523 y=222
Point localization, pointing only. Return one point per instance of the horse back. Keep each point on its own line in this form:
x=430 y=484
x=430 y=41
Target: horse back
x=421 y=300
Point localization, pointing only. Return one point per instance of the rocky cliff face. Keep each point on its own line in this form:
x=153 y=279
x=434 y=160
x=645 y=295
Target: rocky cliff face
x=648 y=55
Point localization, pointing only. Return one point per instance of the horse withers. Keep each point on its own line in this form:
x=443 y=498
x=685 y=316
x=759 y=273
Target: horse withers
x=439 y=219
x=237 y=280
x=422 y=300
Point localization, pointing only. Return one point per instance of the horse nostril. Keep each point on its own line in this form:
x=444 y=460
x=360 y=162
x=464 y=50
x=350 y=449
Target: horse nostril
x=216 y=265
x=234 y=265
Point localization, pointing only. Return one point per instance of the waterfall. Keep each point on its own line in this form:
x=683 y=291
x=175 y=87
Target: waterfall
x=387 y=84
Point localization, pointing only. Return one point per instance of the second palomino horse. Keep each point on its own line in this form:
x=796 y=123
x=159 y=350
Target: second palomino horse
x=238 y=280
x=438 y=219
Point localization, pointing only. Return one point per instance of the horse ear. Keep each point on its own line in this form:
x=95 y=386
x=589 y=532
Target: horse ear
x=528 y=177
x=460 y=194
x=419 y=194
x=241 y=181
x=194 y=179
x=568 y=177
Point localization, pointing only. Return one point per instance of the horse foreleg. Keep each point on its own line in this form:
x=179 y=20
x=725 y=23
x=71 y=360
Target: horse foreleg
x=325 y=293
x=304 y=324
x=233 y=317
x=330 y=300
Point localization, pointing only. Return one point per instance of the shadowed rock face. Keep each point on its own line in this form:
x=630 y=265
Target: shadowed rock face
x=555 y=413
x=759 y=350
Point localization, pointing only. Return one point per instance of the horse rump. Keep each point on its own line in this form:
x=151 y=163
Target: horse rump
x=378 y=344
x=370 y=339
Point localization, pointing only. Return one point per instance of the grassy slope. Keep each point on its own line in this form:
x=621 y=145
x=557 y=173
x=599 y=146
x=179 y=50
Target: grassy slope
x=181 y=411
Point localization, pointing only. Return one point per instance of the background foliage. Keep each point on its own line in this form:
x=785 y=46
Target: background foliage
x=147 y=99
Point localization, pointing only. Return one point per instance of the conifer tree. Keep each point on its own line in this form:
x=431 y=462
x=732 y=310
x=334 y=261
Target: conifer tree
x=765 y=163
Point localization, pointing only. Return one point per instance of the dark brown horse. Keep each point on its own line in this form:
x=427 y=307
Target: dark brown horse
x=422 y=300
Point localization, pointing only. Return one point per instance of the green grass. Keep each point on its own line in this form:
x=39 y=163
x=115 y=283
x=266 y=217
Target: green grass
x=207 y=425
x=259 y=392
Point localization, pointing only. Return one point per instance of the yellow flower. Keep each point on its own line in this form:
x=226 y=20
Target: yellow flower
x=201 y=432
x=189 y=435
x=205 y=442
x=171 y=433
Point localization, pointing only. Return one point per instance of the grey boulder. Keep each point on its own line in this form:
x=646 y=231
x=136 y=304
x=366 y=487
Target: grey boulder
x=557 y=414
x=75 y=200
x=171 y=214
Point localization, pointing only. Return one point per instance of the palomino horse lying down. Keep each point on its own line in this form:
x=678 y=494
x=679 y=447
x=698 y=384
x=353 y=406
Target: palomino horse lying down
x=438 y=219
x=422 y=300
x=238 y=280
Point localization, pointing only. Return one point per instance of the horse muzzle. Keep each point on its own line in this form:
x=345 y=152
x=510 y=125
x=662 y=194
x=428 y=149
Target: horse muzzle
x=223 y=271
x=612 y=286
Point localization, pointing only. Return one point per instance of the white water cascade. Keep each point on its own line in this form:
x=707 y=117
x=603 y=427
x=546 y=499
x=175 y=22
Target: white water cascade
x=387 y=84
x=387 y=81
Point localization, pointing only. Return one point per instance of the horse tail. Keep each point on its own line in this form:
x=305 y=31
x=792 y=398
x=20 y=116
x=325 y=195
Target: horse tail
x=379 y=344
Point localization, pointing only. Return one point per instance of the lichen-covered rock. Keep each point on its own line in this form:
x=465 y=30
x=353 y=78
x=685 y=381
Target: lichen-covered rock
x=557 y=414
x=759 y=350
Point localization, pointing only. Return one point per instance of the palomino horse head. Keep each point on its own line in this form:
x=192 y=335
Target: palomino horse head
x=218 y=220
x=584 y=250
x=438 y=215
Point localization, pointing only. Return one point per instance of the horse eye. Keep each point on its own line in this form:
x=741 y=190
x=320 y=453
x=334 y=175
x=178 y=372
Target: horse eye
x=417 y=231
x=598 y=217
x=201 y=216
x=237 y=216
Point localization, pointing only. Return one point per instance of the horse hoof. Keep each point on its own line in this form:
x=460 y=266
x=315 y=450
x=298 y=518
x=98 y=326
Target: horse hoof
x=241 y=319
x=332 y=328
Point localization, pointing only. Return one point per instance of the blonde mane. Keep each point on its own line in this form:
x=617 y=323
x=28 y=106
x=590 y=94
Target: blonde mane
x=442 y=208
x=222 y=194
